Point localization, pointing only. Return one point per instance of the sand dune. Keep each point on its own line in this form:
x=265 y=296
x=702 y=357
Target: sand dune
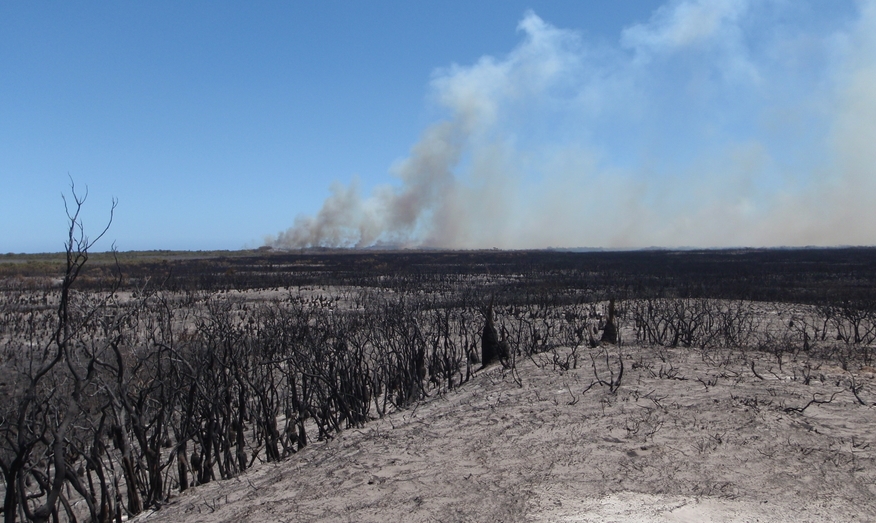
x=682 y=440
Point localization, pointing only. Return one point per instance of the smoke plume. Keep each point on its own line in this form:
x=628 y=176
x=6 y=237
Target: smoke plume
x=715 y=123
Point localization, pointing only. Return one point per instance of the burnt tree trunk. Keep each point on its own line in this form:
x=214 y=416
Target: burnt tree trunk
x=491 y=349
x=609 y=333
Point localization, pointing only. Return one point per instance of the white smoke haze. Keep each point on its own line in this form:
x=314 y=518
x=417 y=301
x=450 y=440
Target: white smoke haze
x=686 y=133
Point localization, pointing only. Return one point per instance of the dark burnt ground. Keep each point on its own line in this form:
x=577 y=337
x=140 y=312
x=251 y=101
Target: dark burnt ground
x=783 y=275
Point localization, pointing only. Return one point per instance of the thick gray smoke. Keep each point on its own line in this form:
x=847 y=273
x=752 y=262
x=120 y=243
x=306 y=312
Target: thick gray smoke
x=701 y=128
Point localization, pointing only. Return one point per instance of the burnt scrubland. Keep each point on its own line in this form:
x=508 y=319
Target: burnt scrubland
x=130 y=378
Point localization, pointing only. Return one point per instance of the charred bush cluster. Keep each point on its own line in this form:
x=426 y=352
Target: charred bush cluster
x=132 y=378
x=139 y=397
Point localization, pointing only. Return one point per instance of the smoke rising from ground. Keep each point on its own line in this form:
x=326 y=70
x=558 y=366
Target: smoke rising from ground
x=716 y=123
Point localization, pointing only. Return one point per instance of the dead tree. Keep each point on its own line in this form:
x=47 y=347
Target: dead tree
x=43 y=416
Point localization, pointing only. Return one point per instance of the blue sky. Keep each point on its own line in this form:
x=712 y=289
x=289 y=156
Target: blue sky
x=510 y=124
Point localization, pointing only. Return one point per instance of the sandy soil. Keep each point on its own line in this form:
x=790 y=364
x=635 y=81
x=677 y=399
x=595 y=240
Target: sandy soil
x=709 y=443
